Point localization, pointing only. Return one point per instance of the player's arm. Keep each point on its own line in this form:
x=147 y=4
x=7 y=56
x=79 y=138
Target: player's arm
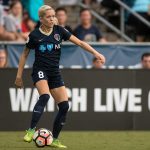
x=87 y=47
x=18 y=81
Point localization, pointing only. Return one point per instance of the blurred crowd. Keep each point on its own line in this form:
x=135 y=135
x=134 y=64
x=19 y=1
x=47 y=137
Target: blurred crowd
x=18 y=18
x=17 y=21
x=134 y=27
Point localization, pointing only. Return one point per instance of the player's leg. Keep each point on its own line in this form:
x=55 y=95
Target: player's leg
x=61 y=98
x=43 y=89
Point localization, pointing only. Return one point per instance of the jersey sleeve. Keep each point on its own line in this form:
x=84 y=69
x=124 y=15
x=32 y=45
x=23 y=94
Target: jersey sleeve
x=65 y=34
x=30 y=43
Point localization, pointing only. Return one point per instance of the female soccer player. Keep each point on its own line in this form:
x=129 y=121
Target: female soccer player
x=46 y=41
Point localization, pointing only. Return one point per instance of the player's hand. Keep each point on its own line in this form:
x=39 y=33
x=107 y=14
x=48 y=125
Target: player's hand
x=19 y=83
x=100 y=57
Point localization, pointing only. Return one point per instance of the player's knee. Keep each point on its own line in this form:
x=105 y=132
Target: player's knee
x=44 y=99
x=63 y=107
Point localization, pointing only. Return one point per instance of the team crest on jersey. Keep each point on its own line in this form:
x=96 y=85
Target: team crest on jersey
x=57 y=37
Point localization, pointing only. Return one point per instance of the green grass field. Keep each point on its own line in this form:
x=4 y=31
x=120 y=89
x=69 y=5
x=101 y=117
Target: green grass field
x=83 y=141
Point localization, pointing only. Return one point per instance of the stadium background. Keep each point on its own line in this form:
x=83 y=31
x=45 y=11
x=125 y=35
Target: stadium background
x=114 y=98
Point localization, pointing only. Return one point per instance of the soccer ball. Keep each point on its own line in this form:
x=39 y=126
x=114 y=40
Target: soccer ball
x=43 y=137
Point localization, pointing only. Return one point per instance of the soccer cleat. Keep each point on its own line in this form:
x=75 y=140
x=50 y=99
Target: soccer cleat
x=29 y=135
x=57 y=144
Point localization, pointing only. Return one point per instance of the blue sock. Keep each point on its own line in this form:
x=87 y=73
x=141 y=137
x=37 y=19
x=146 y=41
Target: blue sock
x=60 y=118
x=38 y=109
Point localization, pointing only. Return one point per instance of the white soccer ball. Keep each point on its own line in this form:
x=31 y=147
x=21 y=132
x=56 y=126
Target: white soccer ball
x=43 y=137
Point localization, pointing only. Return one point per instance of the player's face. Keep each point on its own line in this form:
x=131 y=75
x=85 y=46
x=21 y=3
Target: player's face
x=49 y=18
x=146 y=62
x=85 y=17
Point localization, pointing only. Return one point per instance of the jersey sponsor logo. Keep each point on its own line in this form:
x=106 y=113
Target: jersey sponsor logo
x=57 y=46
x=50 y=46
x=42 y=48
x=57 y=37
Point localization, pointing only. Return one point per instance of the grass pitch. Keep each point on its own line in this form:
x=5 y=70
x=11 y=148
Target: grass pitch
x=120 y=140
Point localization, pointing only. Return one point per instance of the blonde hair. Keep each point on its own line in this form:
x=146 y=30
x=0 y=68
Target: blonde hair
x=43 y=9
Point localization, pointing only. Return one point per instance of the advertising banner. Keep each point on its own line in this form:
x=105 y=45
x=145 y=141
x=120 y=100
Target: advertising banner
x=99 y=100
x=72 y=56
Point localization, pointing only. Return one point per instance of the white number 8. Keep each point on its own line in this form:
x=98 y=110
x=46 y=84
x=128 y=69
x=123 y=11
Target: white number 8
x=41 y=75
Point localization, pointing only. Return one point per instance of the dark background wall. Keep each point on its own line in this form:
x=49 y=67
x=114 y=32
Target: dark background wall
x=99 y=100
